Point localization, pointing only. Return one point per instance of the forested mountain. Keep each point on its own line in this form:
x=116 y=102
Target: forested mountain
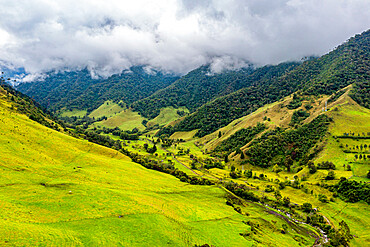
x=194 y=89
x=77 y=90
x=348 y=64
x=200 y=86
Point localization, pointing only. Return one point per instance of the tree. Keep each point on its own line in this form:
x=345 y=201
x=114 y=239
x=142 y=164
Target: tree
x=277 y=195
x=242 y=155
x=312 y=168
x=226 y=158
x=286 y=201
x=219 y=134
x=307 y=207
x=249 y=173
x=288 y=163
x=330 y=176
x=146 y=146
x=323 y=198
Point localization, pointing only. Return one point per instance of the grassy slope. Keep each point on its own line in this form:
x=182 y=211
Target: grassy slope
x=349 y=116
x=125 y=120
x=73 y=113
x=277 y=112
x=108 y=109
x=166 y=116
x=57 y=190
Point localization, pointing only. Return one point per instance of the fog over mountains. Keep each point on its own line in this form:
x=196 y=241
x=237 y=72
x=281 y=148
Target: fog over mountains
x=175 y=36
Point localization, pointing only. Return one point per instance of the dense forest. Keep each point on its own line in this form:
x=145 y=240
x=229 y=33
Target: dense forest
x=77 y=90
x=200 y=86
x=282 y=147
x=239 y=139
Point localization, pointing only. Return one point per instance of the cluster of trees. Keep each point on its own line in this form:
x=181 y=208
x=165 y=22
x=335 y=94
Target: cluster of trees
x=338 y=237
x=212 y=163
x=166 y=168
x=94 y=137
x=239 y=139
x=150 y=150
x=295 y=103
x=361 y=89
x=122 y=134
x=242 y=191
x=326 y=165
x=84 y=121
x=361 y=92
x=282 y=147
x=335 y=96
x=352 y=191
x=298 y=117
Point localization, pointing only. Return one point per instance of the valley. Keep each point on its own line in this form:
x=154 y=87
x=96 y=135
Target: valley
x=277 y=155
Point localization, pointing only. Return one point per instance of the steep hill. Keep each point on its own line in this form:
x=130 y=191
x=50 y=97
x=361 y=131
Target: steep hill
x=347 y=64
x=77 y=90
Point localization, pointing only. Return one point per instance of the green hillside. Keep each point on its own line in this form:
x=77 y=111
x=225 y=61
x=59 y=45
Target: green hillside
x=201 y=86
x=305 y=179
x=58 y=190
x=347 y=64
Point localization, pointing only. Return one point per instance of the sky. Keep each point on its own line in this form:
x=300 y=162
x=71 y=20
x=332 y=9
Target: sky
x=172 y=35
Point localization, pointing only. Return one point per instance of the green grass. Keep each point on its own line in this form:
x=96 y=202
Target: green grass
x=73 y=113
x=107 y=109
x=125 y=120
x=348 y=116
x=185 y=135
x=166 y=116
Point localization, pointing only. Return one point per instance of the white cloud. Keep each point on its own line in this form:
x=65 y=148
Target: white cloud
x=108 y=36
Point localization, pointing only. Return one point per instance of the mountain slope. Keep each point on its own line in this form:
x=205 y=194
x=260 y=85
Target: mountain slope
x=77 y=90
x=201 y=86
x=347 y=64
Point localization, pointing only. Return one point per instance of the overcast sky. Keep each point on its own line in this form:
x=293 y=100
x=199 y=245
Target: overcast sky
x=110 y=35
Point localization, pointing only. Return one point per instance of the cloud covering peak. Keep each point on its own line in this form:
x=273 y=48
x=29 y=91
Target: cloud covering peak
x=108 y=36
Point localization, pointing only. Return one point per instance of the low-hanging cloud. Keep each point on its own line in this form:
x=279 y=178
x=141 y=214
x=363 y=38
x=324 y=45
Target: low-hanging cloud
x=177 y=36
